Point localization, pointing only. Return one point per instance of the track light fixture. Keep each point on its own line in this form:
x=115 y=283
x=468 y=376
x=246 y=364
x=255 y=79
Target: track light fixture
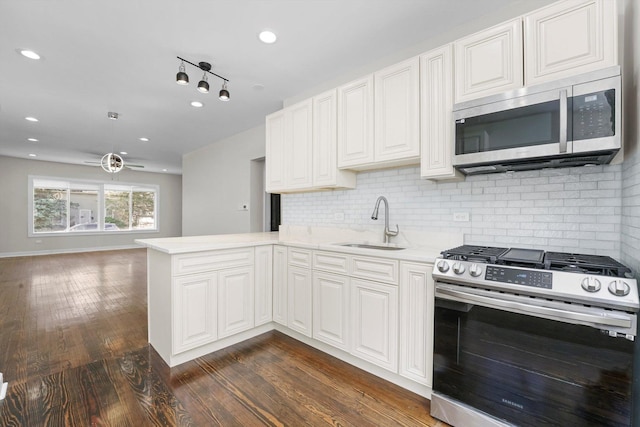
x=203 y=85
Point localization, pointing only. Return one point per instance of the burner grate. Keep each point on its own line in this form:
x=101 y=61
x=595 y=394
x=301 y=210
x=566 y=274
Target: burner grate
x=484 y=254
x=580 y=263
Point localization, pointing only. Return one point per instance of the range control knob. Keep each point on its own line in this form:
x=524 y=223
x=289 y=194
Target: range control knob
x=475 y=270
x=443 y=266
x=590 y=284
x=458 y=268
x=619 y=288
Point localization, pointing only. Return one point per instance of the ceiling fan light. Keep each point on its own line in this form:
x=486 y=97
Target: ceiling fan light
x=182 y=78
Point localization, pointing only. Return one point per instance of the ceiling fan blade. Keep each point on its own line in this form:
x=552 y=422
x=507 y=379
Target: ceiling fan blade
x=133 y=166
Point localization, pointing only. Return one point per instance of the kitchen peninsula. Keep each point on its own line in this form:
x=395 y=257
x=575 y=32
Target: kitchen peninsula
x=372 y=308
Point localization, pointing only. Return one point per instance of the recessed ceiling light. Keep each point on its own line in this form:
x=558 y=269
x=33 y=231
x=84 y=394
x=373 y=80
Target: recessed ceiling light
x=267 y=37
x=31 y=119
x=165 y=170
x=143 y=139
x=258 y=86
x=32 y=155
x=197 y=104
x=29 y=54
x=124 y=153
x=32 y=139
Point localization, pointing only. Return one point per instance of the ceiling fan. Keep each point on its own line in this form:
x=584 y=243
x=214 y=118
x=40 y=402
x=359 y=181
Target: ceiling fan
x=112 y=162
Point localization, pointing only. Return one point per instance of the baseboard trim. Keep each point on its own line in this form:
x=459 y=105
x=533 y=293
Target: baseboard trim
x=67 y=251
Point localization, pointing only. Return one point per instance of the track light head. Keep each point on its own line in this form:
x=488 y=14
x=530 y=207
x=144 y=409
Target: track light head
x=182 y=78
x=203 y=85
x=224 y=93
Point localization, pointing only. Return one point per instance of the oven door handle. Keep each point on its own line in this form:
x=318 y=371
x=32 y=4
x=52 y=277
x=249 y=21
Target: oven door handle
x=599 y=319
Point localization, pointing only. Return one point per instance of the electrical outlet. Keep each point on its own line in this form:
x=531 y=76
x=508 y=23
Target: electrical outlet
x=338 y=216
x=461 y=216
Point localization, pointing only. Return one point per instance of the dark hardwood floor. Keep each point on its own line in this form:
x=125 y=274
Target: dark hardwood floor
x=73 y=346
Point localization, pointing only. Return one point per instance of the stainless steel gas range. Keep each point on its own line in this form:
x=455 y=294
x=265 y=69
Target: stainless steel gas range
x=526 y=337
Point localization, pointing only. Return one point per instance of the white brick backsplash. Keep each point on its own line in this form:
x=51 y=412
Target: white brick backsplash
x=570 y=209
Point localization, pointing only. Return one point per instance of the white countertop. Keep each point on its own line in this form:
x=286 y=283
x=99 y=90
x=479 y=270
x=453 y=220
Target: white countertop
x=412 y=252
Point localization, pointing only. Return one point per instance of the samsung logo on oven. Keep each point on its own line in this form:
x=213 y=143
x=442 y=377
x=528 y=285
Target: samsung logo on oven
x=512 y=403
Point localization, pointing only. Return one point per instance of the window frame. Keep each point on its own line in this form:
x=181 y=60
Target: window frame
x=101 y=205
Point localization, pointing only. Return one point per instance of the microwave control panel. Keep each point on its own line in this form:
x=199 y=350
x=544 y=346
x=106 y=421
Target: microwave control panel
x=594 y=115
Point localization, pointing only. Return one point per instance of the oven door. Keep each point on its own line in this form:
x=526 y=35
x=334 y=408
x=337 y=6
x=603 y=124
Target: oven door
x=524 y=369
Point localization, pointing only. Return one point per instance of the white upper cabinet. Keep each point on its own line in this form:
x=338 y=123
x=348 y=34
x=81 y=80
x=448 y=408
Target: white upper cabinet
x=298 y=145
x=325 y=144
x=355 y=123
x=570 y=37
x=436 y=102
x=489 y=62
x=397 y=105
x=275 y=152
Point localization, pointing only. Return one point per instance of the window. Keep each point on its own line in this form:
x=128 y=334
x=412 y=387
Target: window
x=69 y=206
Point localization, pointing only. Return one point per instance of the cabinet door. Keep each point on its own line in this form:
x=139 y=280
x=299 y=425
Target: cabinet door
x=325 y=144
x=416 y=322
x=235 y=301
x=489 y=62
x=300 y=300
x=355 y=123
x=374 y=323
x=331 y=309
x=570 y=37
x=194 y=311
x=263 y=284
x=437 y=130
x=298 y=137
x=280 y=294
x=397 y=105
x=275 y=152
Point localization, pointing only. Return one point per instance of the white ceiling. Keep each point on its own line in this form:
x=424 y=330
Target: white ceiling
x=121 y=56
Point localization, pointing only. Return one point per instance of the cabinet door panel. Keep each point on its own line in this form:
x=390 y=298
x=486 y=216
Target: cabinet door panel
x=263 y=284
x=397 y=103
x=275 y=152
x=375 y=323
x=280 y=293
x=437 y=130
x=489 y=61
x=235 y=301
x=331 y=309
x=300 y=300
x=298 y=131
x=416 y=322
x=570 y=37
x=355 y=123
x=194 y=311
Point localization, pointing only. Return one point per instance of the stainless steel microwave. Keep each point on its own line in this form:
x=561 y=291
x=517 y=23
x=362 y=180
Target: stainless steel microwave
x=569 y=122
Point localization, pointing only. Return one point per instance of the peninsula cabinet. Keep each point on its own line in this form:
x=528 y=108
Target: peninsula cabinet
x=263 y=279
x=235 y=300
x=565 y=38
x=194 y=308
x=300 y=291
x=436 y=101
x=280 y=293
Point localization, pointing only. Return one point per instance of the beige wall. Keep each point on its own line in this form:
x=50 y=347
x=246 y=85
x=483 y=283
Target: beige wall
x=14 y=175
x=216 y=180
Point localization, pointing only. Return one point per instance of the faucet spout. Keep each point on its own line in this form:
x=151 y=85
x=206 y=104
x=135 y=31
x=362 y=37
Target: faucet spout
x=387 y=232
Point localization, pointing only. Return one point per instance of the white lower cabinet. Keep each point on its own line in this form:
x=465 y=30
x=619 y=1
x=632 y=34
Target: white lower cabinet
x=194 y=307
x=300 y=299
x=374 y=323
x=416 y=322
x=280 y=293
x=331 y=309
x=263 y=284
x=235 y=301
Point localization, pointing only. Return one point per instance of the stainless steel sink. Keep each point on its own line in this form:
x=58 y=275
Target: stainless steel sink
x=370 y=246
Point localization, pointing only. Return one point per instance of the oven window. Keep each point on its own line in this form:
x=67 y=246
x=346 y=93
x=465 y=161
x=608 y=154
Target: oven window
x=531 y=371
x=519 y=127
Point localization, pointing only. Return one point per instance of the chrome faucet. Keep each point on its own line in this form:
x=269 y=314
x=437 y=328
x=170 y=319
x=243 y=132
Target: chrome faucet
x=387 y=233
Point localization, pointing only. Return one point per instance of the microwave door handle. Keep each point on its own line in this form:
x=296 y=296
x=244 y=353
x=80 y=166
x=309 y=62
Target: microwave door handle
x=563 y=122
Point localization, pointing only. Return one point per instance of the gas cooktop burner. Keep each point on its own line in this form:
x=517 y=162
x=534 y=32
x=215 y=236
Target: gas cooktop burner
x=538 y=259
